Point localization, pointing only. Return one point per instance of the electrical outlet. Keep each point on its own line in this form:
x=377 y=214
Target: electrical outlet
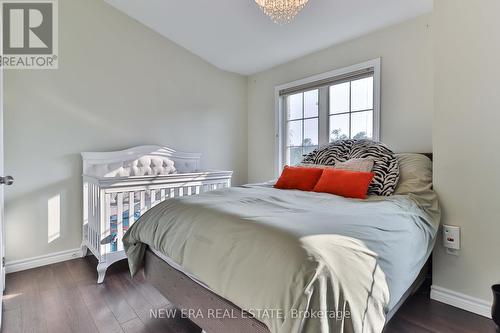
x=451 y=239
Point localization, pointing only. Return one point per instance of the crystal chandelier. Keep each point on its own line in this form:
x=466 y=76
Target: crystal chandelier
x=281 y=11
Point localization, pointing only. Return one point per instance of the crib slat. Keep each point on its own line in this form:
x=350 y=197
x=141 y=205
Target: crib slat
x=143 y=202
x=131 y=208
x=119 y=220
x=86 y=197
x=106 y=230
x=92 y=198
x=95 y=222
x=95 y=197
x=152 y=195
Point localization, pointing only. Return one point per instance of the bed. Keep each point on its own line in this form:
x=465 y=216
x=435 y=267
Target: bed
x=258 y=259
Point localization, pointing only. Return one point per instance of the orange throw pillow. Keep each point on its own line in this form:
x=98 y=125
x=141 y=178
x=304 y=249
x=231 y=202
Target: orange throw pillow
x=298 y=178
x=349 y=184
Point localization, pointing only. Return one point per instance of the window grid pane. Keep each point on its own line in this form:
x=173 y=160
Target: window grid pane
x=295 y=106
x=339 y=127
x=339 y=98
x=295 y=155
x=311 y=103
x=362 y=125
x=362 y=94
x=311 y=132
x=294 y=132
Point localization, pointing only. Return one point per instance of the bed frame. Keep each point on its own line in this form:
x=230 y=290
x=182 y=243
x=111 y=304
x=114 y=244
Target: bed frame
x=187 y=294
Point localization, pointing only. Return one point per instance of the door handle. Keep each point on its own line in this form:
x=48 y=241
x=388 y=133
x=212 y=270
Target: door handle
x=7 y=180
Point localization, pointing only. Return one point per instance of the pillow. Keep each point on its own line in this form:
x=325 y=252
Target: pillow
x=354 y=164
x=415 y=173
x=385 y=163
x=349 y=184
x=298 y=178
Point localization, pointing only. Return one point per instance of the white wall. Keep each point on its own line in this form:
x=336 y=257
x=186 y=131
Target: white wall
x=466 y=143
x=119 y=84
x=407 y=90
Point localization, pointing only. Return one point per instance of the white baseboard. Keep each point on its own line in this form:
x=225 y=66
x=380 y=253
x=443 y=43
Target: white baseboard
x=462 y=301
x=47 y=259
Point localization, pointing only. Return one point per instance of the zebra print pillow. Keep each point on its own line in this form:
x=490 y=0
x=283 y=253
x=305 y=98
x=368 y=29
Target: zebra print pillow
x=385 y=167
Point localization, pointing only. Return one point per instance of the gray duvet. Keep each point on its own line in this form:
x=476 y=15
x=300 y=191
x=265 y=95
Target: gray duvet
x=299 y=261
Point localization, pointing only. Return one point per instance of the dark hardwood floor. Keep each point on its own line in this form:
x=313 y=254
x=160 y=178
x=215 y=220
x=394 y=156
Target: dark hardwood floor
x=65 y=297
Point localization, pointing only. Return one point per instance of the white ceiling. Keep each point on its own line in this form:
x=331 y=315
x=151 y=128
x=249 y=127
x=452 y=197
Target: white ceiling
x=236 y=36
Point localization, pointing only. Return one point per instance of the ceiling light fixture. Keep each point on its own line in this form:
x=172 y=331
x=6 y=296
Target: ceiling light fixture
x=281 y=11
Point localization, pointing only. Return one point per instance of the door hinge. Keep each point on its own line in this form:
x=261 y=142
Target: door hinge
x=3 y=261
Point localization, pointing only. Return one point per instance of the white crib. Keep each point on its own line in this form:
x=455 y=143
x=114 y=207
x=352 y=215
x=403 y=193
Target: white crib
x=119 y=186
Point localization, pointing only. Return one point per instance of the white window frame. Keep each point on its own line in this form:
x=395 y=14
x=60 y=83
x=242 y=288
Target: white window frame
x=280 y=130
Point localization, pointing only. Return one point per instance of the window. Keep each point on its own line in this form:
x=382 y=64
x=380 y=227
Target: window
x=302 y=124
x=337 y=105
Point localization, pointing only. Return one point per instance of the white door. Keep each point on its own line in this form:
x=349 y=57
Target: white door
x=4 y=180
x=2 y=262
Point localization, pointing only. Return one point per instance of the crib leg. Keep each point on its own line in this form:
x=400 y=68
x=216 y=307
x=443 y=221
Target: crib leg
x=101 y=272
x=83 y=250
